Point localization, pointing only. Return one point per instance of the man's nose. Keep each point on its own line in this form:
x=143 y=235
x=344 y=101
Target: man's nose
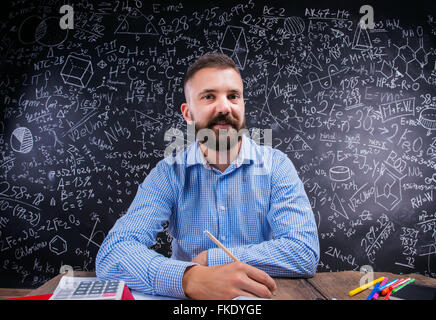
x=223 y=105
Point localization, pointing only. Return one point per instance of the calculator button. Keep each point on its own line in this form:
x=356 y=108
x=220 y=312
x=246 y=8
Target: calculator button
x=97 y=288
x=98 y=291
x=112 y=287
x=80 y=290
x=84 y=284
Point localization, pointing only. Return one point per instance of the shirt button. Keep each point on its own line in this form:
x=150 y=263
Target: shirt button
x=222 y=208
x=223 y=238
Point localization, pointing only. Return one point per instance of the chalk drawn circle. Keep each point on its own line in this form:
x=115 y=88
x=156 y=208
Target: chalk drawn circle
x=22 y=140
x=26 y=31
x=339 y=173
x=294 y=25
x=49 y=33
x=427 y=118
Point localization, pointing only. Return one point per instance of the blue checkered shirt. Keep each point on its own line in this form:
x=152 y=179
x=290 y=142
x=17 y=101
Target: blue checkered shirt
x=257 y=208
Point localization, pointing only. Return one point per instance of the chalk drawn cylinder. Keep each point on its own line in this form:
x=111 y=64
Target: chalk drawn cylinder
x=427 y=118
x=339 y=173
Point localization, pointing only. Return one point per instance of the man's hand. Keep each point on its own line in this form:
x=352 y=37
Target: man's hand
x=201 y=258
x=227 y=281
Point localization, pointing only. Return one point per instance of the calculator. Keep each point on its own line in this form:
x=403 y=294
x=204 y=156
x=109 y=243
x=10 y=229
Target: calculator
x=89 y=290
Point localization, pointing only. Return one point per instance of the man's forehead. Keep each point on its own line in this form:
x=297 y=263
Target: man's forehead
x=232 y=78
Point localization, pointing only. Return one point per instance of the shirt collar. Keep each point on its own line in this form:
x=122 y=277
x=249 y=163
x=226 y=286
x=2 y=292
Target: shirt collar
x=246 y=153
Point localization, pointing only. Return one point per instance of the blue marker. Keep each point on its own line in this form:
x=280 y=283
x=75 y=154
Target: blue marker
x=386 y=285
x=374 y=291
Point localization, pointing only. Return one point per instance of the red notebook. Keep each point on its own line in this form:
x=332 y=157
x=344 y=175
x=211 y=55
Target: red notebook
x=127 y=295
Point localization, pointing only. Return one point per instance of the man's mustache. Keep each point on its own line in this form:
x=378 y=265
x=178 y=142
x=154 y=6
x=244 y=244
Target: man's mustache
x=227 y=119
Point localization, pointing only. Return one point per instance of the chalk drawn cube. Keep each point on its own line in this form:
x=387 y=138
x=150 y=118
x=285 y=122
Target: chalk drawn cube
x=57 y=245
x=77 y=71
x=235 y=45
x=387 y=190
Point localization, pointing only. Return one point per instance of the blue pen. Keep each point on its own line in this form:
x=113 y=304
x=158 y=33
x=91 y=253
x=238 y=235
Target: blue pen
x=373 y=291
x=386 y=285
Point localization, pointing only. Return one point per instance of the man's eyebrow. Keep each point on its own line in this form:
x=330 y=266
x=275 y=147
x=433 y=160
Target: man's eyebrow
x=214 y=91
x=206 y=91
x=235 y=91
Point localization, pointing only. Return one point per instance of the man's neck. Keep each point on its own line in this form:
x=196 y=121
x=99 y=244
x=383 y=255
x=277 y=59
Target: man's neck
x=221 y=160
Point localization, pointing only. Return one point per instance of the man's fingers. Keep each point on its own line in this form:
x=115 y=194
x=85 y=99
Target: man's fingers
x=261 y=277
x=256 y=289
x=248 y=294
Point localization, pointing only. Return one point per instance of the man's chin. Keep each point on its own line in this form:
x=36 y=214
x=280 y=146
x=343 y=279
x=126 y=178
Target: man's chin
x=224 y=143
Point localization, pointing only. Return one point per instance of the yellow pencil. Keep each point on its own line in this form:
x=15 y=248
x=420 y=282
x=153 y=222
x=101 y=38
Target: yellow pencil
x=219 y=244
x=365 y=286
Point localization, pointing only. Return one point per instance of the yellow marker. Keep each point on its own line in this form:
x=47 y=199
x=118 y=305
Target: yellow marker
x=365 y=286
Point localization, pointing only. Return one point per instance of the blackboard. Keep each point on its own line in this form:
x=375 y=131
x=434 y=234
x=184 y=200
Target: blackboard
x=84 y=113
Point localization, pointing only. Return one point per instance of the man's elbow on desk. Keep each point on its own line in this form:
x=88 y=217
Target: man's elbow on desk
x=302 y=263
x=306 y=267
x=309 y=269
x=309 y=261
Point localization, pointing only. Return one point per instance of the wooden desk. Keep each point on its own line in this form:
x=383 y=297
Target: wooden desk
x=324 y=285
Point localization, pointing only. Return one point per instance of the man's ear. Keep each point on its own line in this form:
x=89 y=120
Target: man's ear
x=186 y=113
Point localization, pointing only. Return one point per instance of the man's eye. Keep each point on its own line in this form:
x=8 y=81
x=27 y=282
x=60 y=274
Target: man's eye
x=208 y=97
x=233 y=97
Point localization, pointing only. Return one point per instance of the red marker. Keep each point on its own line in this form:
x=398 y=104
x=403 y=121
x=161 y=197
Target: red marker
x=388 y=295
x=388 y=291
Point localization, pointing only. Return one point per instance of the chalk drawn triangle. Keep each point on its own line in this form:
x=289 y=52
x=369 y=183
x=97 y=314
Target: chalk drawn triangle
x=143 y=120
x=313 y=61
x=50 y=53
x=298 y=144
x=336 y=206
x=337 y=33
x=361 y=40
x=134 y=23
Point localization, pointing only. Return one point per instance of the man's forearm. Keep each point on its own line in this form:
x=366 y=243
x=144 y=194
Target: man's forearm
x=140 y=267
x=278 y=257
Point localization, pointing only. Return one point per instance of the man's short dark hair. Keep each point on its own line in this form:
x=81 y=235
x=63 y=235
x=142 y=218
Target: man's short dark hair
x=210 y=60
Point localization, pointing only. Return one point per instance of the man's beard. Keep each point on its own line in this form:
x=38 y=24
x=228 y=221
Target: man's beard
x=220 y=139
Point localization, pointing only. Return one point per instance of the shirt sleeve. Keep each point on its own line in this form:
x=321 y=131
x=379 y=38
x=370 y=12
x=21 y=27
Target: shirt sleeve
x=293 y=250
x=125 y=253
